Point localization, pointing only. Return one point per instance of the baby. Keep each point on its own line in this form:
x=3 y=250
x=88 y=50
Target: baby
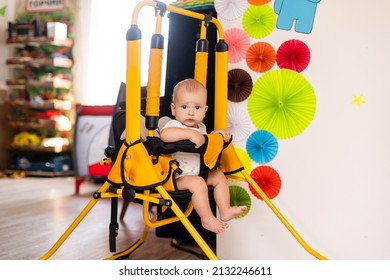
x=189 y=108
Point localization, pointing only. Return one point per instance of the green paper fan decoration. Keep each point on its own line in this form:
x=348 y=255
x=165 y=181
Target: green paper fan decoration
x=2 y=10
x=238 y=197
x=259 y=21
x=282 y=102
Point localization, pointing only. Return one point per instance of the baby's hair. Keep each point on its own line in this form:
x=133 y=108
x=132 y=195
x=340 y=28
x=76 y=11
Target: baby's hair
x=190 y=85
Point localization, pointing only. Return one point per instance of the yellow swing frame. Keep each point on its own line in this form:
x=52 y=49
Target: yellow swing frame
x=152 y=184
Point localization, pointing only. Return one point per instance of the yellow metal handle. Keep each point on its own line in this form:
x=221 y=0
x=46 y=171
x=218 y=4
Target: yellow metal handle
x=281 y=217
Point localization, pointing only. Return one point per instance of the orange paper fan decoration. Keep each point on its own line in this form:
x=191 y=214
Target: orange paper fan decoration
x=267 y=179
x=258 y=2
x=260 y=57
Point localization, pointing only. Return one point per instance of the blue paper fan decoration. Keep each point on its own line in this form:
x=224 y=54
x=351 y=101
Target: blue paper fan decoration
x=262 y=146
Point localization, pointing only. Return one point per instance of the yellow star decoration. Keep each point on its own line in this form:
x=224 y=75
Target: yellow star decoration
x=358 y=100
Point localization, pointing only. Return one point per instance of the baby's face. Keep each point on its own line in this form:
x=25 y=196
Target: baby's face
x=189 y=108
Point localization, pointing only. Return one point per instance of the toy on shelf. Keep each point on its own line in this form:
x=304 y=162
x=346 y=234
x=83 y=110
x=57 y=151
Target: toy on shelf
x=40 y=91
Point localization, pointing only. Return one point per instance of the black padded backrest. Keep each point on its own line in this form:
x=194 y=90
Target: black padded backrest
x=118 y=125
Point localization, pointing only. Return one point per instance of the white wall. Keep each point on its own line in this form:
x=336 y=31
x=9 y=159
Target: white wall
x=100 y=48
x=336 y=174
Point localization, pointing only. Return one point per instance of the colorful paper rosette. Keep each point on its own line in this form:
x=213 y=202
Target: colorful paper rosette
x=282 y=102
x=268 y=181
x=259 y=21
x=240 y=197
x=193 y=4
x=262 y=146
x=240 y=85
x=258 y=2
x=246 y=163
x=260 y=57
x=293 y=54
x=238 y=122
x=238 y=42
x=230 y=9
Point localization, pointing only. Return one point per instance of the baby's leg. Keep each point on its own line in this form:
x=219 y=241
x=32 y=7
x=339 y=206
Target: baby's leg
x=222 y=196
x=200 y=199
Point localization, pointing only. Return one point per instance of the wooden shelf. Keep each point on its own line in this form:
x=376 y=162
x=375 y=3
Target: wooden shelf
x=49 y=83
x=47 y=105
x=36 y=41
x=20 y=62
x=50 y=124
x=59 y=149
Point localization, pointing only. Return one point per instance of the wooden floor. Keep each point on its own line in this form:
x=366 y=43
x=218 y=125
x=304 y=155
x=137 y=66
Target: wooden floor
x=35 y=212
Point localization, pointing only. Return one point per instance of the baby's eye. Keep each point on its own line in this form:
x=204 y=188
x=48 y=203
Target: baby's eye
x=198 y=107
x=184 y=106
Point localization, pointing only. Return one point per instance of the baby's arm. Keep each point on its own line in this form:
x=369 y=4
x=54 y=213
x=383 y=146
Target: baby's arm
x=173 y=134
x=225 y=133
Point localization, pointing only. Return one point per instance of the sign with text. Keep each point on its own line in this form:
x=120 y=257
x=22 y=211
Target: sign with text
x=42 y=6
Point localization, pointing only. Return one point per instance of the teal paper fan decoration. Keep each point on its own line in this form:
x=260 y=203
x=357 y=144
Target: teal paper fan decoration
x=259 y=21
x=282 y=102
x=240 y=197
x=262 y=146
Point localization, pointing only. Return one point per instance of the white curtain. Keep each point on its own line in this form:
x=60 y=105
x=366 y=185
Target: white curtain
x=100 y=48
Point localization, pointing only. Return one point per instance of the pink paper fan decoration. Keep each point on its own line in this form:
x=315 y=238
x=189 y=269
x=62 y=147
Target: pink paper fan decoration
x=238 y=42
x=267 y=179
x=294 y=55
x=260 y=57
x=258 y=2
x=240 y=85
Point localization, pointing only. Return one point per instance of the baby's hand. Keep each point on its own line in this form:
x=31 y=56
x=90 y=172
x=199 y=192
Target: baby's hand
x=197 y=138
x=225 y=133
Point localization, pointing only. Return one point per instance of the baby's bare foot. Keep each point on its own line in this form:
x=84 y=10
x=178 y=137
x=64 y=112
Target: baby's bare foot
x=214 y=225
x=232 y=212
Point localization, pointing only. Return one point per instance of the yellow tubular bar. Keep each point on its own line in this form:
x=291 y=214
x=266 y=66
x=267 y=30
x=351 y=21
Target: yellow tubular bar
x=201 y=67
x=133 y=91
x=132 y=248
x=201 y=60
x=203 y=30
x=221 y=90
x=281 y=217
x=153 y=88
x=180 y=11
x=154 y=77
x=75 y=223
x=221 y=68
x=153 y=223
x=187 y=224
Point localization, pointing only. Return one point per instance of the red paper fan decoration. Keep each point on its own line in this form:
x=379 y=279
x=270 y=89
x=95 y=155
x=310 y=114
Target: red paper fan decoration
x=258 y=2
x=260 y=57
x=240 y=85
x=294 y=55
x=238 y=42
x=267 y=179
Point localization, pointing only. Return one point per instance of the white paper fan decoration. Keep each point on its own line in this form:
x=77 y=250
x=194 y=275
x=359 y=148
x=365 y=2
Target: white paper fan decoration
x=238 y=123
x=230 y=9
